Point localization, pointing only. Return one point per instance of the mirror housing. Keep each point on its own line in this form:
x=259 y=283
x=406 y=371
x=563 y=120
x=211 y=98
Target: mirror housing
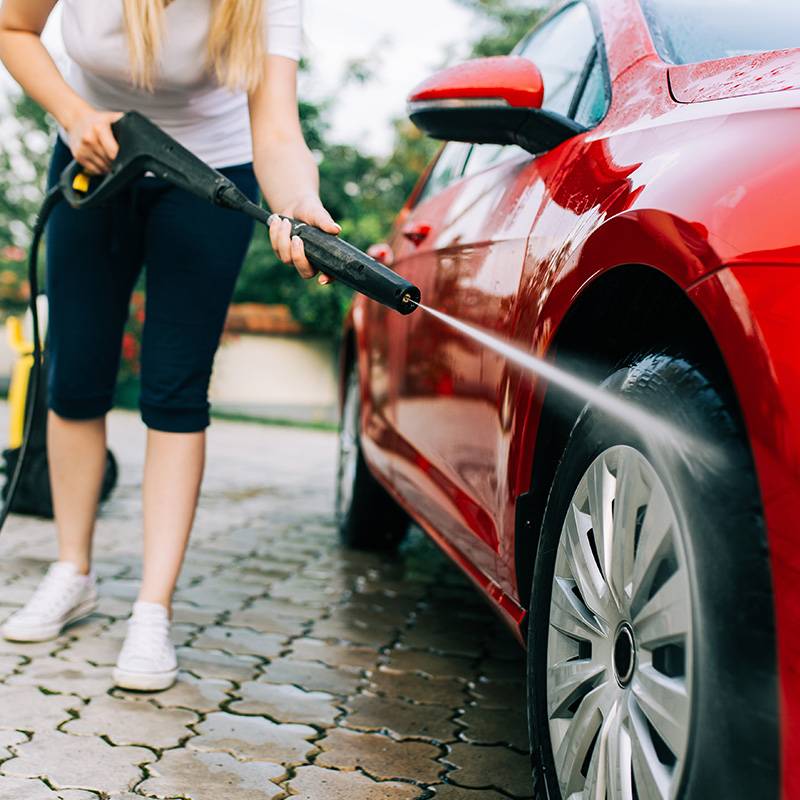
x=495 y=100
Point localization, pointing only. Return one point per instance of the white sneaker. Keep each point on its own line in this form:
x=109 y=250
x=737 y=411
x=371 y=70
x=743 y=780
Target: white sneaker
x=147 y=660
x=63 y=596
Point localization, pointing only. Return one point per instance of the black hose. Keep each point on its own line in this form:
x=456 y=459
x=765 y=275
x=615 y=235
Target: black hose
x=51 y=200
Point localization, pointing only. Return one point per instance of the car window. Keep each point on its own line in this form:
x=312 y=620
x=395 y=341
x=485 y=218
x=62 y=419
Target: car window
x=448 y=168
x=560 y=49
x=592 y=104
x=688 y=31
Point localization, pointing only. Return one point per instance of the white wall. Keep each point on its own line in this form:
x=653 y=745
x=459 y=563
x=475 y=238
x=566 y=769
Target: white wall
x=279 y=377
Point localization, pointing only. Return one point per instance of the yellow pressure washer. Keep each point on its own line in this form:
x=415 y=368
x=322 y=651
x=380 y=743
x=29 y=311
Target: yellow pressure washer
x=145 y=148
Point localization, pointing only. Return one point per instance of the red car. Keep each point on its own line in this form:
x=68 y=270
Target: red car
x=620 y=198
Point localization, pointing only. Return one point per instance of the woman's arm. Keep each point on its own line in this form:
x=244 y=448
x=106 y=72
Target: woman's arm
x=27 y=59
x=286 y=170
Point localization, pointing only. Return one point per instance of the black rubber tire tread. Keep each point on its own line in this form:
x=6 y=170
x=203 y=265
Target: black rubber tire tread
x=733 y=749
x=374 y=521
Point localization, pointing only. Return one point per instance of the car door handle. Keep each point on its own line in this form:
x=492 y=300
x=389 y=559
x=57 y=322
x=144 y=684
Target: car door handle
x=382 y=252
x=417 y=232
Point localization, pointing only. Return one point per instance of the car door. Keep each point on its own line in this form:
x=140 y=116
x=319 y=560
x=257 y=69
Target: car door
x=454 y=399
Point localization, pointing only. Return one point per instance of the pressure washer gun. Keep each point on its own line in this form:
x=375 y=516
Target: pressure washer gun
x=144 y=147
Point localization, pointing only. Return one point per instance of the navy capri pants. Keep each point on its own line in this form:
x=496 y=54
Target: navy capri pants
x=192 y=253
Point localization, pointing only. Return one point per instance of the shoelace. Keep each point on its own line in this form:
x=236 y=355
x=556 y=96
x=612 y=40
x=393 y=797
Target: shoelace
x=55 y=594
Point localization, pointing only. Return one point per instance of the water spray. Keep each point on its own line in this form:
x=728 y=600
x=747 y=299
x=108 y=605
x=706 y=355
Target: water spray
x=660 y=432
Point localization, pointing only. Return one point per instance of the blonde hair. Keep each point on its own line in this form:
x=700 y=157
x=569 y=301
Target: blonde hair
x=235 y=41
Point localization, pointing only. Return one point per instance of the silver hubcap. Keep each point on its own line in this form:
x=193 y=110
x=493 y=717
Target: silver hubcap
x=348 y=448
x=619 y=650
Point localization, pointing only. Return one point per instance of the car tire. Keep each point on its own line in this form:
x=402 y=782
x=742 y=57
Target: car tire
x=670 y=646
x=366 y=515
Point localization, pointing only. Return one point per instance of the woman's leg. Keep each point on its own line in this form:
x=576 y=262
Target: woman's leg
x=194 y=252
x=93 y=259
x=173 y=471
x=76 y=453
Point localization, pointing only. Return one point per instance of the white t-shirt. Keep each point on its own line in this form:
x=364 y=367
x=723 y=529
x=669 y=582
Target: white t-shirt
x=188 y=102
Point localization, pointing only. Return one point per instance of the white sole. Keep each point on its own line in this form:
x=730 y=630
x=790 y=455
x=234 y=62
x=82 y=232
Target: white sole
x=43 y=633
x=144 y=681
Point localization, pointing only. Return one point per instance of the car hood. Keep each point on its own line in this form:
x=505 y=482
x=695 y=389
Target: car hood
x=734 y=77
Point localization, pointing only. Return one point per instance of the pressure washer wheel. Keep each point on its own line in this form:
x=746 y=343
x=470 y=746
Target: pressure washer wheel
x=651 y=653
x=367 y=517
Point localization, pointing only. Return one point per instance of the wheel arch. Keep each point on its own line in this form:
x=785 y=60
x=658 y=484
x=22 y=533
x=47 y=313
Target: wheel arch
x=635 y=309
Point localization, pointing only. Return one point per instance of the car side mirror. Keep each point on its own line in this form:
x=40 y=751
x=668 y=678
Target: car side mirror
x=495 y=100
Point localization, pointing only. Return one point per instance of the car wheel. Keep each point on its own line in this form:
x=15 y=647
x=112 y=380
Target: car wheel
x=366 y=515
x=651 y=658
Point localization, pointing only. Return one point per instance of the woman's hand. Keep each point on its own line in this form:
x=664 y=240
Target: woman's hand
x=92 y=142
x=288 y=248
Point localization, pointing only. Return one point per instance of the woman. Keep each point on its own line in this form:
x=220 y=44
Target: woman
x=219 y=76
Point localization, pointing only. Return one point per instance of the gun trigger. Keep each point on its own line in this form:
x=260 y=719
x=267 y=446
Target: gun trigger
x=80 y=183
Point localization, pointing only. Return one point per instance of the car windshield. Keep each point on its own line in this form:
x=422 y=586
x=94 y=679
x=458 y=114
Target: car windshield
x=687 y=31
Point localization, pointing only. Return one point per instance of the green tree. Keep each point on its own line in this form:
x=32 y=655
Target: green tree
x=507 y=22
x=24 y=153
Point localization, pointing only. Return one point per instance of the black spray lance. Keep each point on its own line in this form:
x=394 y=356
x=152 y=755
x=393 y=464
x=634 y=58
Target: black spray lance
x=143 y=148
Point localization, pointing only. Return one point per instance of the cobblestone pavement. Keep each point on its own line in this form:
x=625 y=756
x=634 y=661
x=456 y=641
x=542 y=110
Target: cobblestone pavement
x=307 y=671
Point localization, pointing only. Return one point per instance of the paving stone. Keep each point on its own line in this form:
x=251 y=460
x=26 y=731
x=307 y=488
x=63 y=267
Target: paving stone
x=80 y=762
x=8 y=739
x=368 y=712
x=127 y=722
x=286 y=704
x=26 y=708
x=56 y=675
x=27 y=649
x=480 y=767
x=8 y=663
x=241 y=641
x=354 y=631
x=379 y=756
x=334 y=655
x=115 y=607
x=184 y=612
x=203 y=695
x=419 y=688
x=311 y=675
x=25 y=789
x=498 y=694
x=101 y=650
x=495 y=669
x=453 y=640
x=254 y=739
x=376 y=609
x=495 y=726
x=212 y=776
x=315 y=783
x=209 y=664
x=259 y=621
x=451 y=792
x=433 y=664
x=264 y=581
x=213 y=594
